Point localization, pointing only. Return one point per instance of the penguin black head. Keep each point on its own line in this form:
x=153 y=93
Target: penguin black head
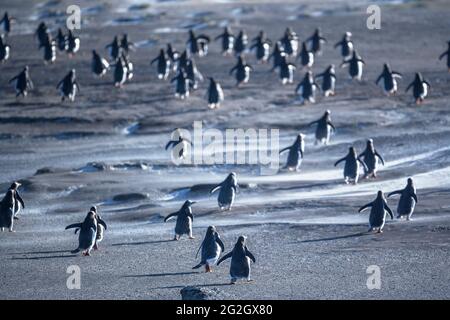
x=93 y=209
x=387 y=68
x=161 y=51
x=330 y=68
x=348 y=35
x=327 y=112
x=211 y=79
x=210 y=230
x=241 y=241
x=370 y=143
x=304 y=46
x=317 y=31
x=419 y=77
x=90 y=215
x=26 y=68
x=188 y=203
x=380 y=194
x=410 y=182
x=191 y=33
x=300 y=137
x=352 y=150
x=15 y=185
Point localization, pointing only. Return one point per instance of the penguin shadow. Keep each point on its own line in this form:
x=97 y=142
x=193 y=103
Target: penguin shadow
x=167 y=274
x=195 y=285
x=53 y=255
x=141 y=243
x=353 y=235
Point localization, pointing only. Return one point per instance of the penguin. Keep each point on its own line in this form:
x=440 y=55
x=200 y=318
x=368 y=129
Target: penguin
x=87 y=234
x=378 y=210
x=351 y=168
x=68 y=86
x=197 y=45
x=355 y=64
x=261 y=46
x=420 y=88
x=242 y=71
x=61 y=40
x=18 y=201
x=306 y=57
x=182 y=85
x=49 y=50
x=6 y=23
x=22 y=83
x=126 y=44
x=193 y=74
x=370 y=157
x=446 y=53
x=182 y=61
x=73 y=44
x=389 y=78
x=181 y=145
x=306 y=89
x=163 y=66
x=173 y=56
x=316 y=41
x=346 y=45
x=184 y=220
x=328 y=81
x=286 y=71
x=324 y=128
x=408 y=200
x=5 y=50
x=289 y=42
x=212 y=246
x=99 y=65
x=277 y=56
x=42 y=34
x=7 y=210
x=120 y=72
x=214 y=94
x=240 y=46
x=227 y=41
x=296 y=153
x=114 y=49
x=227 y=193
x=240 y=261
x=129 y=65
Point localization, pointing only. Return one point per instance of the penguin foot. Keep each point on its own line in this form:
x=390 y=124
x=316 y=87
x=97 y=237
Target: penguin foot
x=11 y=230
x=380 y=231
x=16 y=218
x=191 y=237
x=95 y=247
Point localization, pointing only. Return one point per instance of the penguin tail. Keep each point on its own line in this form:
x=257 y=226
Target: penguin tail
x=197 y=266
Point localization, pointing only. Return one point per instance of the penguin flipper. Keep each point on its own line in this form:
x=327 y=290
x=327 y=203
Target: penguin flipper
x=170 y=216
x=284 y=149
x=170 y=143
x=250 y=255
x=443 y=55
x=332 y=126
x=225 y=257
x=394 y=193
x=75 y=225
x=100 y=221
x=339 y=161
x=364 y=207
x=414 y=197
x=215 y=188
x=196 y=255
x=386 y=207
x=221 y=245
x=20 y=199
x=380 y=157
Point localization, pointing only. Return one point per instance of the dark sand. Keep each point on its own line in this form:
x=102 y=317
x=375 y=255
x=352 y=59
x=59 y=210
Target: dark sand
x=303 y=228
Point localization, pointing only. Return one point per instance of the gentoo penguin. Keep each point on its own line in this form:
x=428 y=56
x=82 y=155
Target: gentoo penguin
x=306 y=89
x=316 y=41
x=182 y=61
x=184 y=220
x=87 y=234
x=5 y=50
x=289 y=42
x=328 y=81
x=355 y=64
x=173 y=56
x=227 y=41
x=408 y=200
x=120 y=72
x=126 y=44
x=68 y=86
x=389 y=79
x=197 y=45
x=306 y=57
x=324 y=127
x=163 y=65
x=99 y=65
x=286 y=71
x=6 y=23
x=214 y=94
x=42 y=34
x=240 y=261
x=193 y=74
x=446 y=53
x=261 y=45
x=181 y=145
x=22 y=83
x=276 y=55
x=7 y=210
x=212 y=246
x=182 y=84
x=296 y=152
x=227 y=193
x=346 y=45
x=240 y=46
x=242 y=71
x=351 y=168
x=73 y=44
x=378 y=210
x=370 y=157
x=18 y=201
x=49 y=50
x=420 y=88
x=114 y=49
x=61 y=40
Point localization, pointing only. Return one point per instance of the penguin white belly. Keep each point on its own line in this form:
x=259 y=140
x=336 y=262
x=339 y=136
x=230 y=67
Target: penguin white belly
x=425 y=91
x=310 y=59
x=77 y=45
x=360 y=70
